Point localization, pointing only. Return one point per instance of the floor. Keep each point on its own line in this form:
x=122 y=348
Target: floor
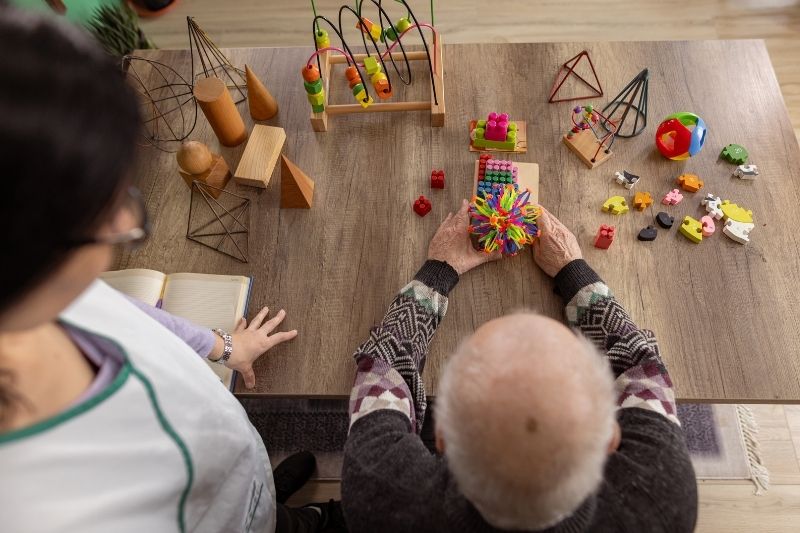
x=724 y=506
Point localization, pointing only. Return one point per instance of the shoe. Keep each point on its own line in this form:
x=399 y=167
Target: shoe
x=332 y=518
x=292 y=473
x=152 y=8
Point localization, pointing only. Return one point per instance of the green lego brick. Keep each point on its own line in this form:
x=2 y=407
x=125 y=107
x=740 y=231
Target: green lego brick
x=499 y=145
x=317 y=108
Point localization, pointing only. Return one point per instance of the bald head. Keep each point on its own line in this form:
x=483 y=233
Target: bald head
x=526 y=413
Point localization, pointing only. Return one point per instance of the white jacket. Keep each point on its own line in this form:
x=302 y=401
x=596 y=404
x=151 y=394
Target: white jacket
x=164 y=448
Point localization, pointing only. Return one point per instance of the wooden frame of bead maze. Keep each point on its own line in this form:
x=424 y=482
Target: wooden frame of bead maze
x=328 y=56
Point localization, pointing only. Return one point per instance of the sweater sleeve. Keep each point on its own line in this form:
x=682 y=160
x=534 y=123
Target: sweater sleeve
x=642 y=379
x=390 y=362
x=199 y=339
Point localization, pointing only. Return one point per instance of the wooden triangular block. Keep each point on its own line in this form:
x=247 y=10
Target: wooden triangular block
x=297 y=189
x=262 y=105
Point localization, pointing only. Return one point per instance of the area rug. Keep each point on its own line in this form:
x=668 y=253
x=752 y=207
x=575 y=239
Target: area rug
x=723 y=443
x=722 y=439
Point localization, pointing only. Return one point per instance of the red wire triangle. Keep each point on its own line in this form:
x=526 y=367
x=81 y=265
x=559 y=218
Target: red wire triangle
x=570 y=69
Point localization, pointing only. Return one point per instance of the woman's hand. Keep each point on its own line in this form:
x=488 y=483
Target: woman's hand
x=251 y=342
x=452 y=244
x=556 y=247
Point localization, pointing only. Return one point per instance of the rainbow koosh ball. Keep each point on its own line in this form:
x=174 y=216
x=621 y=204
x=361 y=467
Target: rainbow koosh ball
x=680 y=136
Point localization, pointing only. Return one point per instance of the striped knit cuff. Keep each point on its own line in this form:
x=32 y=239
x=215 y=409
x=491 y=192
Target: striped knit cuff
x=573 y=277
x=583 y=300
x=437 y=275
x=379 y=386
x=648 y=386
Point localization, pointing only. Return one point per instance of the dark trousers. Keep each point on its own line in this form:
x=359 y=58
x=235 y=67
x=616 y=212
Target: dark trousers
x=296 y=520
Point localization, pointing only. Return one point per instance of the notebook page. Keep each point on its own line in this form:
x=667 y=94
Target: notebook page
x=139 y=283
x=208 y=300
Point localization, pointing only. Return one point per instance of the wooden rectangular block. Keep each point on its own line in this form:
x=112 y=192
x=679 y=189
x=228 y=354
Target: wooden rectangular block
x=218 y=175
x=528 y=178
x=260 y=156
x=585 y=144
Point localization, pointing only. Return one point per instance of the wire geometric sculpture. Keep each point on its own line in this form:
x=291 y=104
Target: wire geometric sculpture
x=168 y=107
x=638 y=86
x=569 y=69
x=219 y=223
x=213 y=63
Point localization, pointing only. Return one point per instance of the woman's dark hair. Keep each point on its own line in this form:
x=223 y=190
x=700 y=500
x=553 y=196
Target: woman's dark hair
x=68 y=129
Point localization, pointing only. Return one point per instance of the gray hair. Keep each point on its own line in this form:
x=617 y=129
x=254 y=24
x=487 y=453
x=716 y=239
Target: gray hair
x=530 y=460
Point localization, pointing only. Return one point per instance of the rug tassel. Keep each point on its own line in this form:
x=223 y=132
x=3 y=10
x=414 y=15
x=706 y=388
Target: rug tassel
x=759 y=474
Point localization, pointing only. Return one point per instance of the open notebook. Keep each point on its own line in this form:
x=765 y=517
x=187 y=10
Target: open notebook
x=209 y=300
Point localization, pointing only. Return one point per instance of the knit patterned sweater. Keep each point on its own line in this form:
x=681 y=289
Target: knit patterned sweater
x=392 y=483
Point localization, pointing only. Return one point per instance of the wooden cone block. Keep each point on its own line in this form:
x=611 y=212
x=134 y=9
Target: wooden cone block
x=262 y=105
x=218 y=175
x=221 y=112
x=297 y=189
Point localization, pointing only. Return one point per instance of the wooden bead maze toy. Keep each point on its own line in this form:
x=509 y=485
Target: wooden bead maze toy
x=591 y=145
x=383 y=33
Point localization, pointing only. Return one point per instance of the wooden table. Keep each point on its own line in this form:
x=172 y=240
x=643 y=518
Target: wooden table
x=725 y=314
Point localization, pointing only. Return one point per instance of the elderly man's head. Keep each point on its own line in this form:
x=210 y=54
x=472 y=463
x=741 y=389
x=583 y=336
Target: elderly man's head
x=525 y=418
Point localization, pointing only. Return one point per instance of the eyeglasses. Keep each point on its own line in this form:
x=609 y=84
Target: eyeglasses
x=132 y=238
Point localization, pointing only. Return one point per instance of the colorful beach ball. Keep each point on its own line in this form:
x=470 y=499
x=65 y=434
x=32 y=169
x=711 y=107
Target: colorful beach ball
x=680 y=136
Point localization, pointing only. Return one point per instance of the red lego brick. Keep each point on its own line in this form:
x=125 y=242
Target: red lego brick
x=437 y=179
x=482 y=165
x=422 y=206
x=604 y=238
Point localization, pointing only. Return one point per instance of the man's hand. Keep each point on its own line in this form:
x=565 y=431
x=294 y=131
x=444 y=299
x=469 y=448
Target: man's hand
x=251 y=342
x=452 y=244
x=556 y=247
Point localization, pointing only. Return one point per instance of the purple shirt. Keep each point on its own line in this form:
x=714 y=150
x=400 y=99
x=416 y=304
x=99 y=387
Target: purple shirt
x=108 y=359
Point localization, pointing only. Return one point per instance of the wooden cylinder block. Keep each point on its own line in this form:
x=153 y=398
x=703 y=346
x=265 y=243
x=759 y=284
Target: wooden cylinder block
x=221 y=112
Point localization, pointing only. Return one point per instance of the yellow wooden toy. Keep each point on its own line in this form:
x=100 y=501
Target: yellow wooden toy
x=692 y=229
x=734 y=212
x=371 y=65
x=616 y=205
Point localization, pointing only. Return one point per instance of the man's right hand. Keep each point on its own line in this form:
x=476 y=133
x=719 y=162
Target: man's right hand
x=556 y=247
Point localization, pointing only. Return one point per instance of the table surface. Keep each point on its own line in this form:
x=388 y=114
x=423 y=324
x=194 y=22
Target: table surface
x=727 y=327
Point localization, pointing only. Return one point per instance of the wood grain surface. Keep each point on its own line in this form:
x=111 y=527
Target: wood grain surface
x=723 y=313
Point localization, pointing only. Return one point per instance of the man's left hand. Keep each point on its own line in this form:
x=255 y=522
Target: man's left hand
x=452 y=244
